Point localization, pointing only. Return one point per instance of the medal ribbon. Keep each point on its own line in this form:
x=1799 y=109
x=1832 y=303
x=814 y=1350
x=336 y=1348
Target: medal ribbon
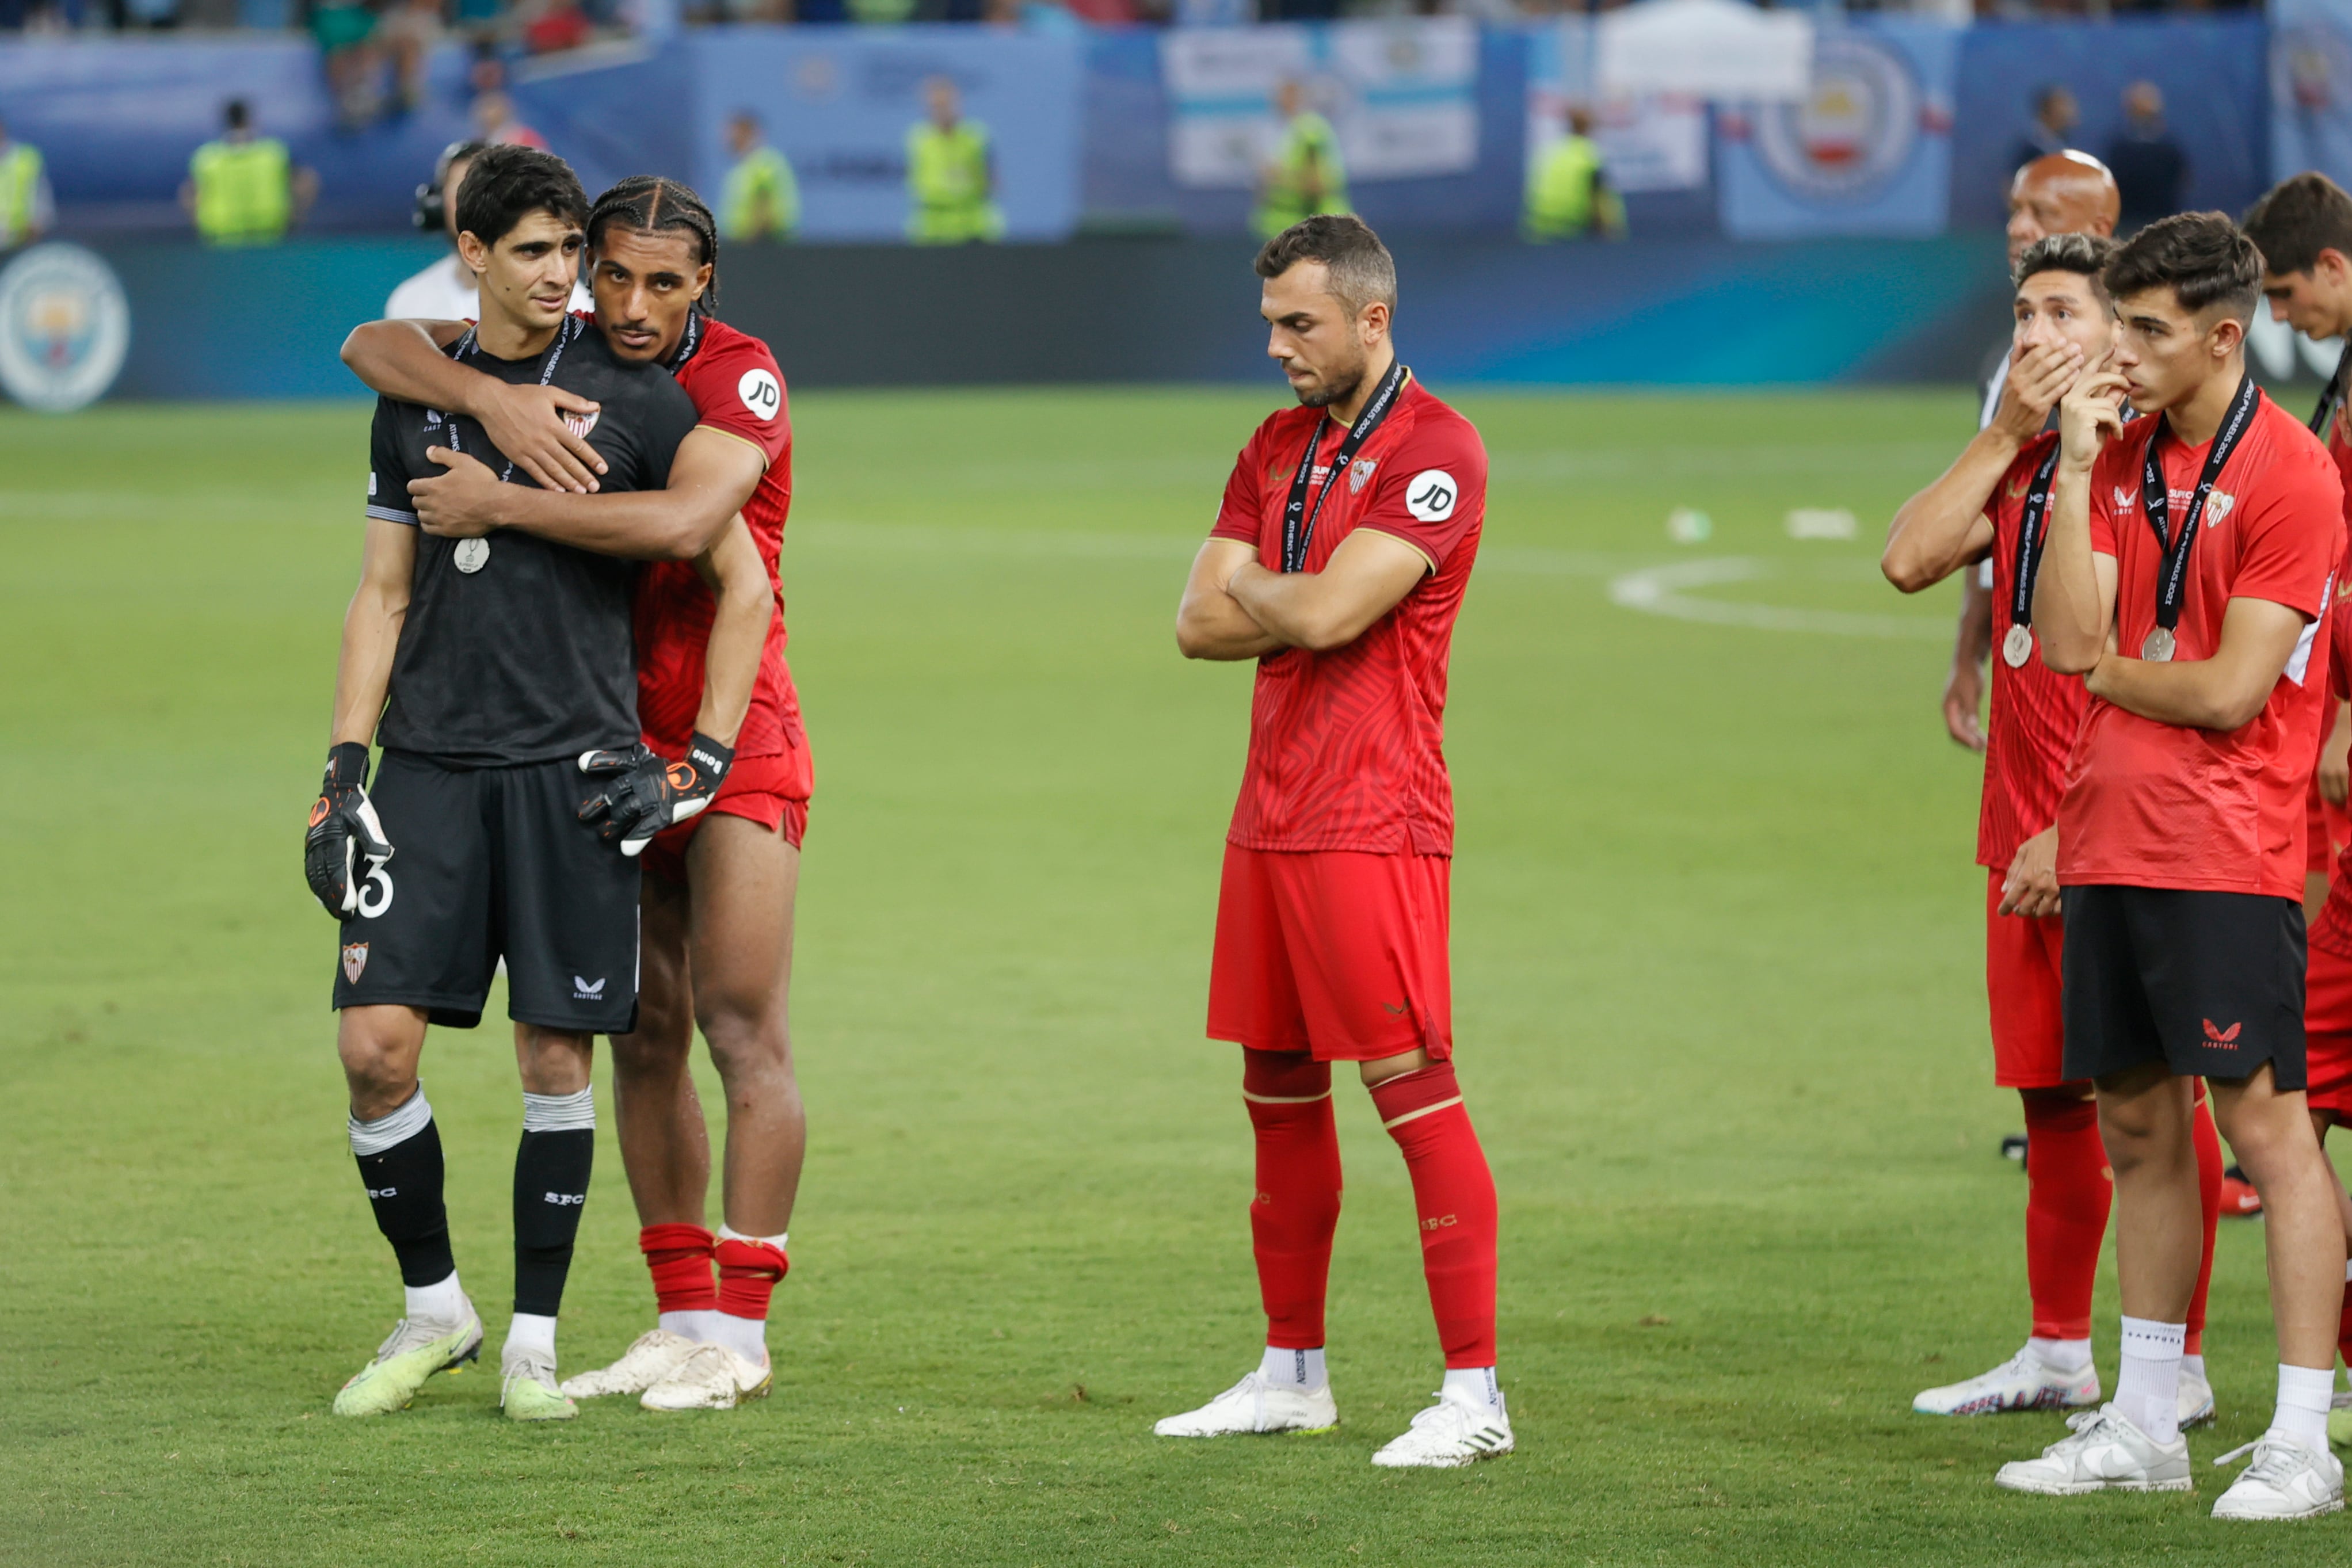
x=470 y=344
x=2172 y=573
x=2029 y=536
x=1297 y=521
x=2333 y=398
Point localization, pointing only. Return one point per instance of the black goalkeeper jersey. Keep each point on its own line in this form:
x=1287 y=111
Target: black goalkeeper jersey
x=517 y=649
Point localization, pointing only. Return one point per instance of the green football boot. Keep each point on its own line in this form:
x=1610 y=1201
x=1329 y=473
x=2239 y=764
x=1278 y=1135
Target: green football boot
x=527 y=1388
x=416 y=1350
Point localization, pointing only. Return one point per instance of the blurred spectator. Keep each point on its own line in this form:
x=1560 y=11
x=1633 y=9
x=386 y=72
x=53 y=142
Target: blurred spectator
x=1567 y=188
x=495 y=124
x=2149 y=166
x=2054 y=117
x=760 y=200
x=560 y=24
x=26 y=210
x=881 y=13
x=445 y=291
x=1038 y=15
x=951 y=176
x=344 y=31
x=243 y=188
x=1305 y=176
x=411 y=30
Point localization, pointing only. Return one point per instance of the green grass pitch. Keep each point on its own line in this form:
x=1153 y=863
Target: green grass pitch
x=1719 y=1005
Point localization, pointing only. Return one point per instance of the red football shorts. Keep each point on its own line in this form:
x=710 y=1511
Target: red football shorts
x=753 y=789
x=2021 y=983
x=2327 y=1031
x=2326 y=827
x=1333 y=952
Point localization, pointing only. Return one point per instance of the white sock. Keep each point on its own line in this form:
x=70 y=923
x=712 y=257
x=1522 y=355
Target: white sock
x=2148 y=1387
x=1301 y=1369
x=2302 y=1414
x=1476 y=1384
x=2194 y=1365
x=532 y=1331
x=699 y=1324
x=441 y=1303
x=2067 y=1355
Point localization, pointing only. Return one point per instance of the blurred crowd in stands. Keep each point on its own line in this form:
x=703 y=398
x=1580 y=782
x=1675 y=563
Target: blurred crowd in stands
x=402 y=28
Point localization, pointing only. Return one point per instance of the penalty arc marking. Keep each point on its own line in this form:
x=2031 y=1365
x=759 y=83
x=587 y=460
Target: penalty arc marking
x=1667 y=591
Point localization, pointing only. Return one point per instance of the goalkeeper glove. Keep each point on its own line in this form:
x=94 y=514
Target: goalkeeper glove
x=647 y=794
x=345 y=831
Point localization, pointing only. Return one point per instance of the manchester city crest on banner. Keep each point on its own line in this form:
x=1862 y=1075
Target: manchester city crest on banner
x=64 y=328
x=1359 y=473
x=1852 y=132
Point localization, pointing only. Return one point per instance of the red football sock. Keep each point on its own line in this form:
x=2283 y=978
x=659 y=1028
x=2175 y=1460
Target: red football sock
x=1296 y=1206
x=749 y=1272
x=2208 y=1139
x=2068 y=1189
x=1453 y=1196
x=680 y=1259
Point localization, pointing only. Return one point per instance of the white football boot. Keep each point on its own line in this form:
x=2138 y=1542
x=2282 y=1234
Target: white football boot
x=2195 y=1400
x=713 y=1378
x=1455 y=1431
x=1255 y=1405
x=655 y=1354
x=2105 y=1452
x=2023 y=1382
x=2286 y=1481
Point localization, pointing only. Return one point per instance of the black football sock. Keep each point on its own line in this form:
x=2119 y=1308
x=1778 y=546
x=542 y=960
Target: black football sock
x=551 y=1187
x=400 y=1165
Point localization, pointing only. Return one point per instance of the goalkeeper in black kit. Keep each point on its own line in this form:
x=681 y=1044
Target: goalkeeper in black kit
x=497 y=675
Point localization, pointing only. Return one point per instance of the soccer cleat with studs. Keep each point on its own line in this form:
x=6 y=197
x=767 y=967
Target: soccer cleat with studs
x=2023 y=1382
x=417 y=1349
x=527 y=1388
x=1455 y=1431
x=1255 y=1405
x=713 y=1378
x=651 y=1357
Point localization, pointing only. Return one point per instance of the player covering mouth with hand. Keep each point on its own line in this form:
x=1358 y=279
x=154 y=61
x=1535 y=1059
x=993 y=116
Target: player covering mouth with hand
x=2190 y=555
x=1338 y=563
x=718 y=899
x=495 y=673
x=1992 y=505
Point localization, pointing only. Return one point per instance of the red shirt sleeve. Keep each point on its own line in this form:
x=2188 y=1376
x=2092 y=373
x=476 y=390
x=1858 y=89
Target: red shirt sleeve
x=1240 y=515
x=2289 y=547
x=2107 y=471
x=737 y=388
x=1432 y=490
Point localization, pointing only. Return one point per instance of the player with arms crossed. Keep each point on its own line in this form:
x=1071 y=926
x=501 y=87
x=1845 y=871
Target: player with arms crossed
x=717 y=904
x=2190 y=553
x=2304 y=229
x=495 y=674
x=1338 y=562
x=1992 y=505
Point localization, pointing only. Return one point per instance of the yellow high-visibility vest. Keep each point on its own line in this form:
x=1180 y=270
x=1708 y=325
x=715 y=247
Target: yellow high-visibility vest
x=1566 y=195
x=761 y=197
x=20 y=189
x=244 y=191
x=947 y=176
x=1308 y=145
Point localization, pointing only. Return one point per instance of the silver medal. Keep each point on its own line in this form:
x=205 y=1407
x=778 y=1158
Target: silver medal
x=472 y=555
x=2159 y=647
x=2017 y=647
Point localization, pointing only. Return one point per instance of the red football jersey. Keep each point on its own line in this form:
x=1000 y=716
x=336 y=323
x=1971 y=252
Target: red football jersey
x=1347 y=748
x=2319 y=817
x=2333 y=929
x=2036 y=711
x=2159 y=805
x=738 y=391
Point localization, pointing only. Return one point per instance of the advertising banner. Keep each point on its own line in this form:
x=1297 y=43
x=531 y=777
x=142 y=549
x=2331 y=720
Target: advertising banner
x=1402 y=94
x=1866 y=150
x=1649 y=141
x=2311 y=88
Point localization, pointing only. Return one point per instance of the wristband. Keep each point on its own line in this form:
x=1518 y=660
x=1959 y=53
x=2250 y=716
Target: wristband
x=347 y=763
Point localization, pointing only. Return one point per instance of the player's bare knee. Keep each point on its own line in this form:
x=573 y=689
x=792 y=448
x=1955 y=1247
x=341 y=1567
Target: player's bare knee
x=747 y=1045
x=552 y=1062
x=657 y=1050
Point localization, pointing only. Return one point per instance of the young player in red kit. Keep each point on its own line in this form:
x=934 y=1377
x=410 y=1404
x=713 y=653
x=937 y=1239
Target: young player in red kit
x=2304 y=229
x=718 y=905
x=1991 y=505
x=2190 y=553
x=1338 y=562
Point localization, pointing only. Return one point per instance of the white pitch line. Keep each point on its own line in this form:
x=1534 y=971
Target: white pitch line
x=1660 y=591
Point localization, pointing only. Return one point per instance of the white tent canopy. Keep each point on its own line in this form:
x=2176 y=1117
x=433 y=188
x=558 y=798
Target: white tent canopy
x=1705 y=48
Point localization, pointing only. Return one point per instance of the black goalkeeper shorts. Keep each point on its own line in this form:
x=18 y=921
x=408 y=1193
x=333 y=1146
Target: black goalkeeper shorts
x=2211 y=984
x=490 y=864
